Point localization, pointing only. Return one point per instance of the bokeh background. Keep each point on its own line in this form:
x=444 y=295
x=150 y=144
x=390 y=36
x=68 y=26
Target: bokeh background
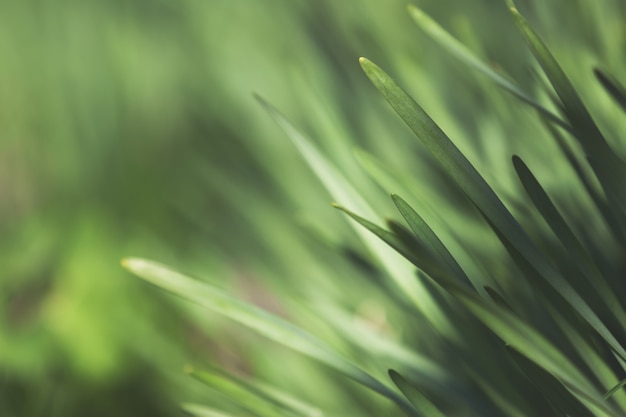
x=129 y=127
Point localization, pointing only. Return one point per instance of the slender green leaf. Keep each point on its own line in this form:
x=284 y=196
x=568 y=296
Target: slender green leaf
x=612 y=86
x=609 y=168
x=498 y=299
x=197 y=410
x=425 y=233
x=589 y=182
x=252 y=396
x=462 y=53
x=240 y=394
x=419 y=400
x=480 y=193
x=550 y=387
x=341 y=190
x=526 y=340
x=261 y=321
x=388 y=237
x=578 y=254
x=616 y=388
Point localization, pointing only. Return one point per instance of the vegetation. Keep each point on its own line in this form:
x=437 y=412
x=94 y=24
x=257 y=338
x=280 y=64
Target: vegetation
x=488 y=284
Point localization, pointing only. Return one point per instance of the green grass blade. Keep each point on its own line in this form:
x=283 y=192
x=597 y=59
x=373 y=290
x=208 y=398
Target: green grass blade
x=421 y=403
x=525 y=339
x=550 y=387
x=615 y=89
x=498 y=299
x=480 y=193
x=534 y=347
x=463 y=54
x=341 y=190
x=616 y=388
x=609 y=168
x=386 y=236
x=594 y=191
x=261 y=321
x=421 y=229
x=578 y=254
x=240 y=394
x=251 y=397
x=197 y=410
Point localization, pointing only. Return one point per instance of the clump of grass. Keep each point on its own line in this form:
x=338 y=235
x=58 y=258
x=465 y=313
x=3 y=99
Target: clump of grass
x=537 y=327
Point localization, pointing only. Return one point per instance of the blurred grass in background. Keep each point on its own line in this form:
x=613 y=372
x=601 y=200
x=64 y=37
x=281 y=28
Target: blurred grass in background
x=128 y=127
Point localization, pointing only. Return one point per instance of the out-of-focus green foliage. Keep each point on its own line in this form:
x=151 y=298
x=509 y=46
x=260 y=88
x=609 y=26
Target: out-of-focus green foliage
x=129 y=127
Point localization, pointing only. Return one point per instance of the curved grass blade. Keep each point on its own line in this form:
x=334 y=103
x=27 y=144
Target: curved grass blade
x=421 y=403
x=250 y=396
x=421 y=229
x=536 y=348
x=261 y=321
x=612 y=86
x=616 y=388
x=389 y=238
x=341 y=190
x=566 y=236
x=498 y=299
x=197 y=410
x=463 y=54
x=530 y=343
x=550 y=387
x=609 y=168
x=594 y=191
x=480 y=193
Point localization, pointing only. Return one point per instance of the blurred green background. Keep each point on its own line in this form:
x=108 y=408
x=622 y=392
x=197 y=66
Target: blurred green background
x=128 y=127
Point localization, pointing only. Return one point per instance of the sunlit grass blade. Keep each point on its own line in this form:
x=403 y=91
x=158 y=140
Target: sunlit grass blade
x=249 y=396
x=421 y=229
x=386 y=236
x=578 y=254
x=616 y=388
x=462 y=53
x=609 y=168
x=370 y=340
x=612 y=86
x=239 y=394
x=421 y=402
x=480 y=193
x=551 y=388
x=341 y=190
x=261 y=321
x=197 y=410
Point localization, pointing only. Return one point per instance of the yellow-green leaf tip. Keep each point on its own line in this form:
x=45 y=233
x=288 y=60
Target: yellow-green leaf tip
x=133 y=264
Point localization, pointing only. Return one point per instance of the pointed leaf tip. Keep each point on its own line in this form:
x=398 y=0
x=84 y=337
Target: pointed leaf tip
x=131 y=263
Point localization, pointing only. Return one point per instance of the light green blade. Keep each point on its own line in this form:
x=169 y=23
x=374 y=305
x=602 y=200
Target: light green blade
x=249 y=395
x=341 y=190
x=197 y=410
x=463 y=54
x=261 y=321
